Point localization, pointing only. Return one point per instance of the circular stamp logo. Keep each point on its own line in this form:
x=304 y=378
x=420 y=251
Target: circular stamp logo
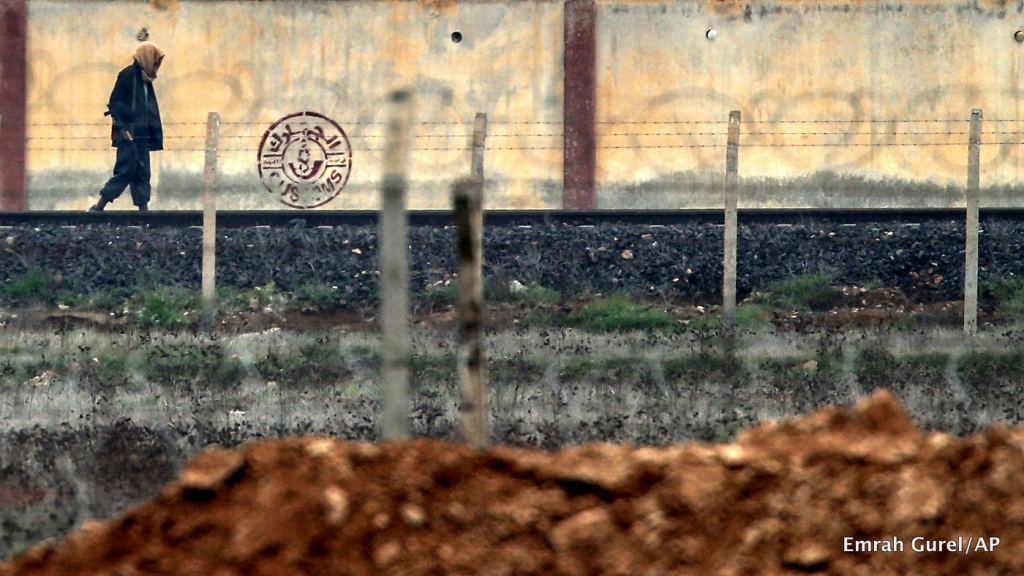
x=305 y=159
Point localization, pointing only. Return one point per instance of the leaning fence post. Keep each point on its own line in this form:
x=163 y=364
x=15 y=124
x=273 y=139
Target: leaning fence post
x=479 y=137
x=210 y=222
x=396 y=346
x=971 y=265
x=467 y=199
x=729 y=264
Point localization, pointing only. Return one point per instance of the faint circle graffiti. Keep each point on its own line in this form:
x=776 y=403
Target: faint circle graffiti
x=305 y=158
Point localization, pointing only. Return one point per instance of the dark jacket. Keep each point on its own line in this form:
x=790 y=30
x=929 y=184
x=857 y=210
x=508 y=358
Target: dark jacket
x=131 y=110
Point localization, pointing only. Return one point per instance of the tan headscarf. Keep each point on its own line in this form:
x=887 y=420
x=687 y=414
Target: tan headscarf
x=149 y=57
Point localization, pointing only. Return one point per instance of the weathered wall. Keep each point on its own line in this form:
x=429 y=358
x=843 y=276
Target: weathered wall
x=824 y=69
x=828 y=93
x=257 y=62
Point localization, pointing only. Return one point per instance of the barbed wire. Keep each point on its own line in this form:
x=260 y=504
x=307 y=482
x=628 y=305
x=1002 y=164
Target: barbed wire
x=469 y=122
x=705 y=138
x=559 y=135
x=855 y=121
x=561 y=148
x=832 y=133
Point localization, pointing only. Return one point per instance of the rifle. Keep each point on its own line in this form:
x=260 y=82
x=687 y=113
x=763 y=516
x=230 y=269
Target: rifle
x=124 y=131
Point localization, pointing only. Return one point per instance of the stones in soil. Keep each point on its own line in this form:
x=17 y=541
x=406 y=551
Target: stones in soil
x=924 y=261
x=780 y=500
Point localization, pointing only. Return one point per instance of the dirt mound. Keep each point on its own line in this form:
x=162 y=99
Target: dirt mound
x=785 y=498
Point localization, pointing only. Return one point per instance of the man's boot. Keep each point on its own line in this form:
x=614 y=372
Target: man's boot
x=143 y=207
x=99 y=206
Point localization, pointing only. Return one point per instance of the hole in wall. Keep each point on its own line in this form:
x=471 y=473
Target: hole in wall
x=143 y=34
x=456 y=36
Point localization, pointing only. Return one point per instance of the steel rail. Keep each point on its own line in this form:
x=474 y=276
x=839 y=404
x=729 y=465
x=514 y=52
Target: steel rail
x=438 y=218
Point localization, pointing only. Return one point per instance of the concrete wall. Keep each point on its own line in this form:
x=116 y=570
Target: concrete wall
x=849 y=77
x=826 y=70
x=255 y=62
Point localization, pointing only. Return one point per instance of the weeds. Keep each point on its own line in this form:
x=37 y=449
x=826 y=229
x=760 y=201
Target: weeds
x=193 y=366
x=813 y=292
x=979 y=369
x=266 y=295
x=167 y=308
x=751 y=316
x=535 y=295
x=35 y=286
x=693 y=369
x=429 y=374
x=515 y=370
x=318 y=363
x=313 y=299
x=231 y=299
x=624 y=372
x=876 y=367
x=575 y=369
x=620 y=313
x=1009 y=295
x=110 y=298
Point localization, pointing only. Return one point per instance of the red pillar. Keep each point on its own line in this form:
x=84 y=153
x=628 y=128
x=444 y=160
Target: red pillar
x=580 y=89
x=13 y=44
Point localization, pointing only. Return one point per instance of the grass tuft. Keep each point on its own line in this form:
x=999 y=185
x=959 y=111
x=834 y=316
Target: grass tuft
x=812 y=292
x=620 y=313
x=534 y=294
x=803 y=292
x=35 y=286
x=314 y=299
x=315 y=364
x=1009 y=294
x=203 y=366
x=167 y=308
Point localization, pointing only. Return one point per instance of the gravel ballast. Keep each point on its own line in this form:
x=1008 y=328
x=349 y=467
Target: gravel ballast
x=679 y=262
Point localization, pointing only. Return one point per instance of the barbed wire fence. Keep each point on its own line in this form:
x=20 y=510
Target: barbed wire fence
x=367 y=136
x=636 y=135
x=97 y=140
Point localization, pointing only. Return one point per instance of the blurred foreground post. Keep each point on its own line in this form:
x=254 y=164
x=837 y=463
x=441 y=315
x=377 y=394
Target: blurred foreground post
x=210 y=222
x=467 y=198
x=729 y=272
x=396 y=347
x=479 y=138
x=971 y=267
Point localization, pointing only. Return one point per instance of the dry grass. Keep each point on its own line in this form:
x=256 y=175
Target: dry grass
x=537 y=376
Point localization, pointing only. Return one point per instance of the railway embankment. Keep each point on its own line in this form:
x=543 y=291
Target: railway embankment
x=672 y=262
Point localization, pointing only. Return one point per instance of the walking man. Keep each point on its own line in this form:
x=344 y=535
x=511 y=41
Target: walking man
x=137 y=129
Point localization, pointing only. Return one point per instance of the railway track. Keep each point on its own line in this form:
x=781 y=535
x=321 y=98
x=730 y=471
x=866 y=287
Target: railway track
x=278 y=218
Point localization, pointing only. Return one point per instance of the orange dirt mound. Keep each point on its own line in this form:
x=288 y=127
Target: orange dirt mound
x=780 y=500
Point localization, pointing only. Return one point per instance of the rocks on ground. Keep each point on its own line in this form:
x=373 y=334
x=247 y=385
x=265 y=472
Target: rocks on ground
x=679 y=262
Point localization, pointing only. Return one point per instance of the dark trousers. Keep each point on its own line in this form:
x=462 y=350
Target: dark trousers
x=131 y=169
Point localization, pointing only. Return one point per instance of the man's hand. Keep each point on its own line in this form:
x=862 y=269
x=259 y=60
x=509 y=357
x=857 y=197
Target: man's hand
x=127 y=135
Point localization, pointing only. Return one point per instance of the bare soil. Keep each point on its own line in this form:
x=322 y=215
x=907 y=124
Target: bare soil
x=780 y=500
x=853 y=308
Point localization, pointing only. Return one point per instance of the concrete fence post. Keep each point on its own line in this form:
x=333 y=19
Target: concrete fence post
x=971 y=265
x=729 y=263
x=479 y=137
x=210 y=222
x=396 y=345
x=467 y=200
